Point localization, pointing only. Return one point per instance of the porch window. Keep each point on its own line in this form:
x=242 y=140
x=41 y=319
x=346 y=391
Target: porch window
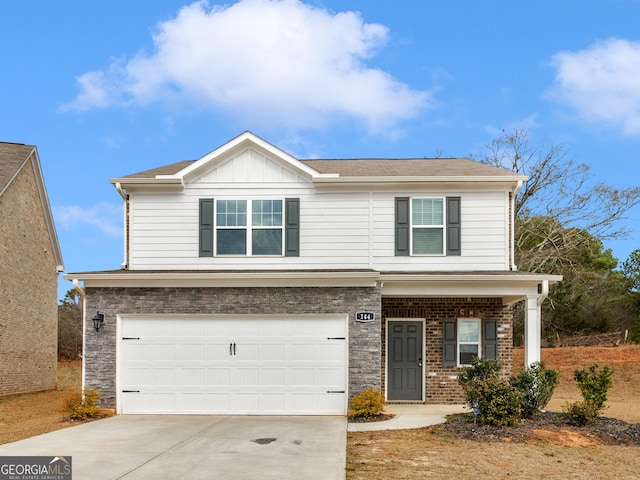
x=468 y=341
x=466 y=338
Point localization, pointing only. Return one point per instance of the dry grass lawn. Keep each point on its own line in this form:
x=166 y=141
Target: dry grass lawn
x=23 y=416
x=422 y=453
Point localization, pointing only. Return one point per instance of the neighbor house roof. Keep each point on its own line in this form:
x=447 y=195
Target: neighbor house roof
x=13 y=158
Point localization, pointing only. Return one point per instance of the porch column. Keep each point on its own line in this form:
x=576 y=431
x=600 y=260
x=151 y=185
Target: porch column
x=532 y=330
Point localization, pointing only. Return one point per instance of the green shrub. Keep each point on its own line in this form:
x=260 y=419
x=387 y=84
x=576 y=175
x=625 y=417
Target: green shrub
x=580 y=413
x=497 y=401
x=81 y=405
x=594 y=383
x=536 y=385
x=480 y=369
x=367 y=404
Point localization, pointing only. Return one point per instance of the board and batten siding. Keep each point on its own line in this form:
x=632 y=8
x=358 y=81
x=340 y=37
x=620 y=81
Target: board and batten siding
x=341 y=230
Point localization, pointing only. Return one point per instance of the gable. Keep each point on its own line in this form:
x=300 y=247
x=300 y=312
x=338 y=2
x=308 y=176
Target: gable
x=249 y=166
x=14 y=159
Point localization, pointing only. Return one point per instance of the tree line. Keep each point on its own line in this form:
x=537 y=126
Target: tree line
x=562 y=218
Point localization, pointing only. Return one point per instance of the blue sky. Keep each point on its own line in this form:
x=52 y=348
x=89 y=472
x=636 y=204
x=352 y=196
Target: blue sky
x=104 y=89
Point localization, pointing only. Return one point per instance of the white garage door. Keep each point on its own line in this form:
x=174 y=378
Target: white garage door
x=239 y=365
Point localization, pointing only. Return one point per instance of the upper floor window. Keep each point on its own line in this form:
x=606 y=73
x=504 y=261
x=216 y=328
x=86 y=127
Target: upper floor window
x=427 y=226
x=249 y=227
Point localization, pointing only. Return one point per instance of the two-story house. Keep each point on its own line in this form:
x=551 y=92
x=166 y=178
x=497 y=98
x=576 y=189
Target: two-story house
x=30 y=260
x=254 y=282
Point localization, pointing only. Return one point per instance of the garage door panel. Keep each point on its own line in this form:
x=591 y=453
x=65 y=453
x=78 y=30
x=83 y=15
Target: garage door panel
x=189 y=352
x=236 y=365
x=193 y=377
x=217 y=377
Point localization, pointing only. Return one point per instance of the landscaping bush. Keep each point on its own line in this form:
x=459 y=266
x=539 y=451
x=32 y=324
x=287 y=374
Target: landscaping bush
x=536 y=385
x=496 y=400
x=480 y=369
x=367 y=404
x=81 y=405
x=594 y=383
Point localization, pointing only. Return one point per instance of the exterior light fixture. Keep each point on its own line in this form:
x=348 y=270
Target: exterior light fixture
x=98 y=318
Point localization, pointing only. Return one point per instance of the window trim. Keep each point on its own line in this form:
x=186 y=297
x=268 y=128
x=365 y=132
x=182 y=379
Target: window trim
x=488 y=339
x=442 y=227
x=403 y=228
x=248 y=228
x=459 y=342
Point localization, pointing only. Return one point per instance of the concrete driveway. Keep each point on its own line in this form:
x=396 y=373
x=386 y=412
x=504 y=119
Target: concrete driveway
x=197 y=447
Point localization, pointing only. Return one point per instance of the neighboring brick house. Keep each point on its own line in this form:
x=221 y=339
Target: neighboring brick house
x=30 y=261
x=257 y=283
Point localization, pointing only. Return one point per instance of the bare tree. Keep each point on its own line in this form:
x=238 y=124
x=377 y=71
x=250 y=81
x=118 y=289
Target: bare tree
x=558 y=203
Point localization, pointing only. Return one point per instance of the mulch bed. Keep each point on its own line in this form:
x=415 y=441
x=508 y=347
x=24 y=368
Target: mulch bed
x=381 y=417
x=603 y=430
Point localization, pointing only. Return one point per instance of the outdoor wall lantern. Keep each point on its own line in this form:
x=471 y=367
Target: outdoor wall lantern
x=98 y=318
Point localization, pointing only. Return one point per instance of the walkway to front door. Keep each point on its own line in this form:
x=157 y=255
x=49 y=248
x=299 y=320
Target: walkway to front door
x=404 y=360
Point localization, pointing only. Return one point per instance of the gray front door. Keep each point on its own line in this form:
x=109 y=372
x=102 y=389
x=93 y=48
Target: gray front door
x=404 y=360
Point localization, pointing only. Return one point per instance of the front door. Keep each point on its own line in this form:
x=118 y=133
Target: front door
x=404 y=360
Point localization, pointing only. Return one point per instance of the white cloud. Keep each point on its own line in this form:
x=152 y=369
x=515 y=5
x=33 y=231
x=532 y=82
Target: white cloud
x=106 y=218
x=276 y=61
x=601 y=83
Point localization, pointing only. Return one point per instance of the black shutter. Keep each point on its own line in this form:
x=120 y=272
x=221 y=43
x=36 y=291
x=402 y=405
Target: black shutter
x=453 y=226
x=292 y=227
x=489 y=338
x=206 y=227
x=449 y=342
x=403 y=227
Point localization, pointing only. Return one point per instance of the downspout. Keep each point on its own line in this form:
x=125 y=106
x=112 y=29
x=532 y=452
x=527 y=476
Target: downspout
x=512 y=247
x=125 y=263
x=82 y=293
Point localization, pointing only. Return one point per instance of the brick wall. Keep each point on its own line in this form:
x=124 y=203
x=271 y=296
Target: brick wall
x=441 y=386
x=100 y=347
x=28 y=291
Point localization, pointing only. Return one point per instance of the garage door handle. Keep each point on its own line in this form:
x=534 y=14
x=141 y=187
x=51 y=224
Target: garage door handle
x=130 y=391
x=336 y=338
x=131 y=338
x=335 y=391
x=232 y=349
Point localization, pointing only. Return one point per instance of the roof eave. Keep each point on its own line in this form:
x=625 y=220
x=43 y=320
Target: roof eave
x=227 y=279
x=371 y=180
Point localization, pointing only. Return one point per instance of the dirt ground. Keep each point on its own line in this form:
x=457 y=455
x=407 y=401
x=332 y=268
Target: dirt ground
x=23 y=416
x=550 y=452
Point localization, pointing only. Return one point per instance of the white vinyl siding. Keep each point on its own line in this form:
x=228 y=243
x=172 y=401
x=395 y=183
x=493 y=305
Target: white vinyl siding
x=351 y=229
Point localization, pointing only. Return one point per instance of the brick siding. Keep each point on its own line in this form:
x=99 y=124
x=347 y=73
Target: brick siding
x=441 y=386
x=100 y=347
x=28 y=291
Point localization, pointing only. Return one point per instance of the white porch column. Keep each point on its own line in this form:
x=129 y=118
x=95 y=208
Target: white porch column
x=532 y=330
